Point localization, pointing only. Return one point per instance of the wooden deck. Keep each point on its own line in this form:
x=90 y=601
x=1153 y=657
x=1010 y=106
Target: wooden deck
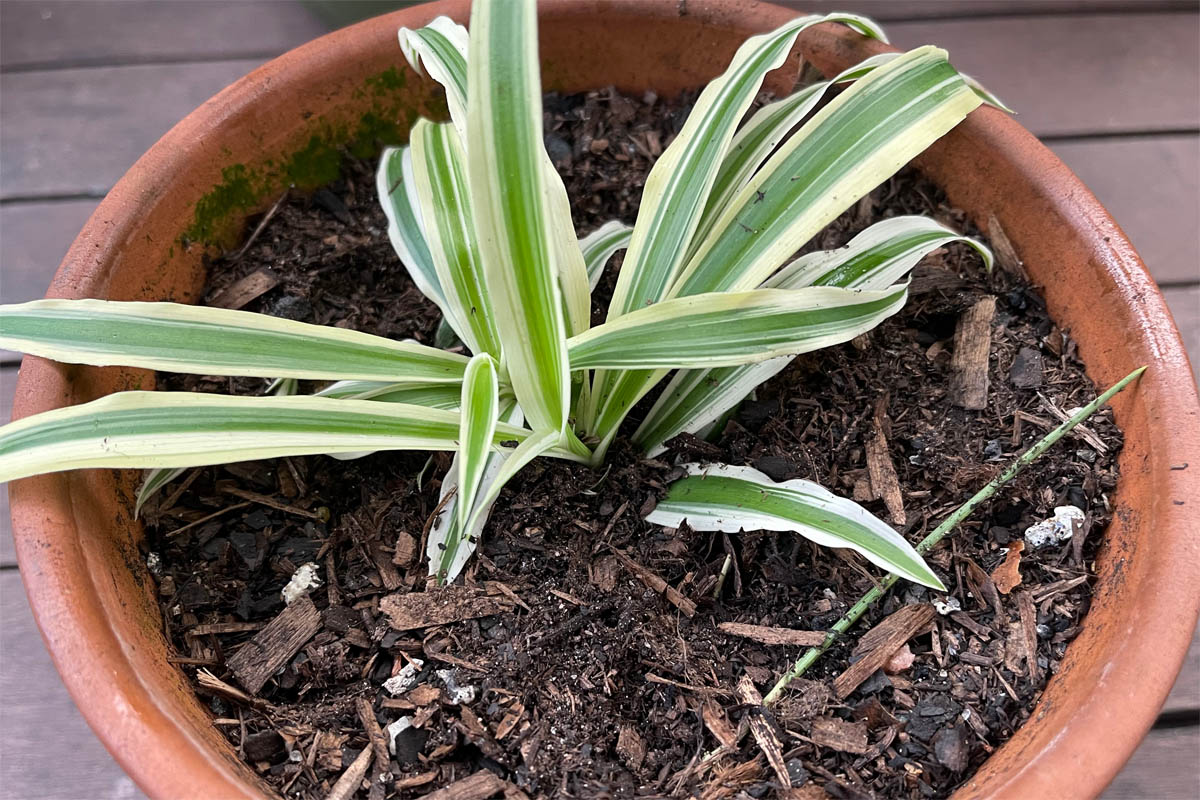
x=1111 y=85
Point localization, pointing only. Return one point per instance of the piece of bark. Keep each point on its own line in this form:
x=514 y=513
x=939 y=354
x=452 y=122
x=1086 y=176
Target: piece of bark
x=718 y=724
x=272 y=647
x=1007 y=576
x=214 y=685
x=242 y=291
x=408 y=611
x=968 y=386
x=405 y=551
x=837 y=734
x=951 y=748
x=1028 y=616
x=762 y=730
x=630 y=748
x=657 y=584
x=480 y=786
x=884 y=483
x=1006 y=254
x=366 y=716
x=771 y=635
x=879 y=644
x=347 y=785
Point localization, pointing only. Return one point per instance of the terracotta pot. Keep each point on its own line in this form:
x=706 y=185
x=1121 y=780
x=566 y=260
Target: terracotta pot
x=78 y=546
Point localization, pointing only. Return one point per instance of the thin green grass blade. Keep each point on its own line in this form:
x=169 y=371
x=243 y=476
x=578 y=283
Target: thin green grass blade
x=214 y=341
x=733 y=499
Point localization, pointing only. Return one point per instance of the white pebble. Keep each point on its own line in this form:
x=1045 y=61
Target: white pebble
x=405 y=679
x=303 y=581
x=395 y=729
x=950 y=604
x=1055 y=530
x=454 y=692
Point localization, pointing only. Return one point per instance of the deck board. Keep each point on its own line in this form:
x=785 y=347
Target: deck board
x=1114 y=71
x=56 y=33
x=49 y=751
x=79 y=130
x=1072 y=75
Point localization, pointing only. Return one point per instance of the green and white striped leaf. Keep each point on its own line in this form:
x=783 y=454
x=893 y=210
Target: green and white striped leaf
x=678 y=186
x=729 y=328
x=184 y=429
x=480 y=413
x=439 y=168
x=602 y=244
x=397 y=192
x=449 y=526
x=440 y=50
x=214 y=341
x=430 y=395
x=512 y=210
x=732 y=499
x=763 y=132
x=153 y=481
x=874 y=259
x=862 y=137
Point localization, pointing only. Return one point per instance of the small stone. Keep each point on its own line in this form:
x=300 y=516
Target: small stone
x=304 y=580
x=1055 y=530
x=797 y=772
x=558 y=150
x=950 y=747
x=456 y=693
x=266 y=746
x=776 y=468
x=395 y=729
x=1026 y=369
x=947 y=606
x=993 y=450
x=290 y=306
x=405 y=679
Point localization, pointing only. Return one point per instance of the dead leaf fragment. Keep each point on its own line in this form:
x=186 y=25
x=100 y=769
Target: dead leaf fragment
x=1007 y=576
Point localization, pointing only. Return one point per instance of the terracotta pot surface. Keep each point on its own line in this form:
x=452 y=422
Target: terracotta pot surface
x=78 y=545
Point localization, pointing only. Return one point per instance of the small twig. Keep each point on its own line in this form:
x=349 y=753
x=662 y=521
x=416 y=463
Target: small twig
x=203 y=520
x=262 y=224
x=953 y=521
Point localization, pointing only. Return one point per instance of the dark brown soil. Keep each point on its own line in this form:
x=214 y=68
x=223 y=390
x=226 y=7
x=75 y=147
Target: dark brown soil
x=591 y=684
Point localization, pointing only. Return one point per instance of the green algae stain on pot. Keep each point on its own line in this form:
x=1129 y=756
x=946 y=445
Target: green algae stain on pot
x=244 y=188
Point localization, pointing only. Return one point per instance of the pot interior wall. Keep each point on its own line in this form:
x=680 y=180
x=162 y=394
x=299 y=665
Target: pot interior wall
x=281 y=125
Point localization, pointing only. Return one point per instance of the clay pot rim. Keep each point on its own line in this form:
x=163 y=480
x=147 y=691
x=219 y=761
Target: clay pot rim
x=127 y=718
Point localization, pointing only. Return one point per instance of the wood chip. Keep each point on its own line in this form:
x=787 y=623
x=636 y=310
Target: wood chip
x=657 y=584
x=347 y=785
x=366 y=716
x=405 y=551
x=837 y=734
x=1006 y=254
x=214 y=685
x=271 y=502
x=242 y=291
x=884 y=483
x=1081 y=430
x=1029 y=628
x=1007 y=576
x=878 y=644
x=480 y=786
x=968 y=386
x=718 y=725
x=272 y=647
x=416 y=780
x=630 y=748
x=772 y=635
x=412 y=610
x=762 y=730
